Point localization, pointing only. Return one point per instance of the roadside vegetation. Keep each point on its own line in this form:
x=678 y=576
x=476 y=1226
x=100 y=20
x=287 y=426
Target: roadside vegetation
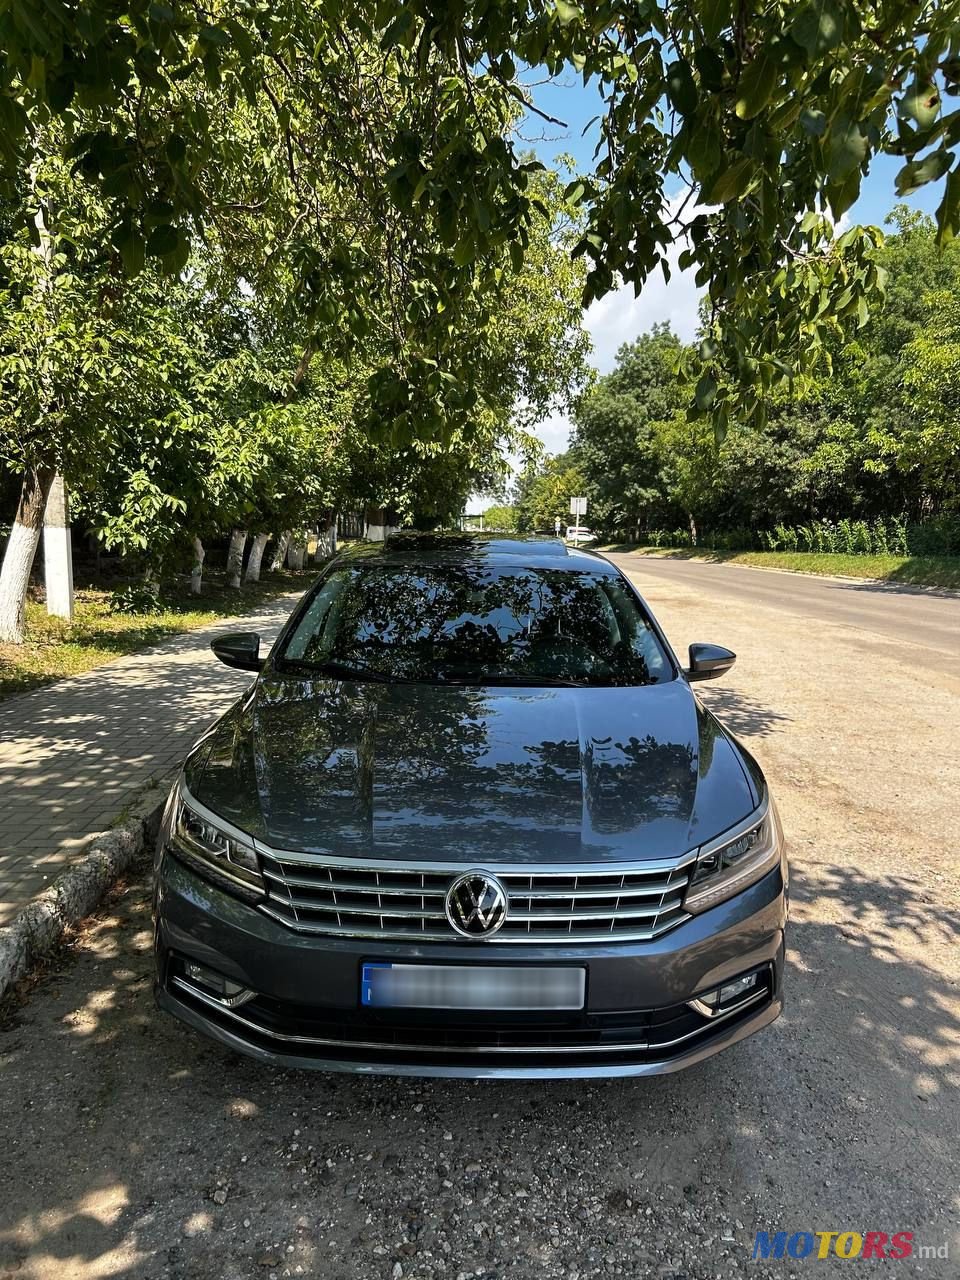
x=858 y=464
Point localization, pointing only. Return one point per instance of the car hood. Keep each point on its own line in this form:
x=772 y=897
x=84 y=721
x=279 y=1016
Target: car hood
x=495 y=775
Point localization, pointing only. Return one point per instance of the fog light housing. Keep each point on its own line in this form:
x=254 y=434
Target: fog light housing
x=728 y=996
x=225 y=990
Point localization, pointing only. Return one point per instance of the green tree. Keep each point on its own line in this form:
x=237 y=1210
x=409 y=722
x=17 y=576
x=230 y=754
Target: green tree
x=543 y=491
x=396 y=117
x=615 y=440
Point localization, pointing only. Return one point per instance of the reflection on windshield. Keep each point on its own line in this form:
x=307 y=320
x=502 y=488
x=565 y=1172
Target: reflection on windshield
x=472 y=625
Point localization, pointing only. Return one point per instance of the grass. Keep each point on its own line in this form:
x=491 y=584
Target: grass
x=919 y=571
x=54 y=649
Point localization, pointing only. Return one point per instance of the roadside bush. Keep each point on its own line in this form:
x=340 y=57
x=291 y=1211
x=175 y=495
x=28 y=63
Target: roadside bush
x=135 y=599
x=939 y=537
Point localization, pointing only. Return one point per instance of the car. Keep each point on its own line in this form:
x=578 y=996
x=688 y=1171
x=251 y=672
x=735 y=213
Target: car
x=582 y=536
x=471 y=820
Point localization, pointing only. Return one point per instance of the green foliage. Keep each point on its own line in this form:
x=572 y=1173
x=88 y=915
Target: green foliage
x=133 y=599
x=501 y=518
x=182 y=406
x=826 y=537
x=835 y=459
x=543 y=492
x=371 y=143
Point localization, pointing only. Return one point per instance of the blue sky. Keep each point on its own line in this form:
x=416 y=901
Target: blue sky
x=619 y=317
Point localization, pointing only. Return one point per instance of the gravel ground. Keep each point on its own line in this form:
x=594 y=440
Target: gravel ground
x=132 y=1147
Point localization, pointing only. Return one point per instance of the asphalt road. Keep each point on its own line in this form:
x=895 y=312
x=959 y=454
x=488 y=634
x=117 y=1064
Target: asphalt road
x=130 y=1147
x=923 y=616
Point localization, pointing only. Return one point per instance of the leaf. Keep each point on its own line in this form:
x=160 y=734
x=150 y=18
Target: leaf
x=567 y=12
x=681 y=88
x=710 y=65
x=730 y=183
x=132 y=250
x=948 y=213
x=917 y=173
x=757 y=84
x=921 y=103
x=846 y=148
x=818 y=27
x=705 y=393
x=163 y=240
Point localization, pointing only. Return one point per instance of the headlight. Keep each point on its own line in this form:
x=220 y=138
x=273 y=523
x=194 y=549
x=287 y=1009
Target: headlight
x=214 y=847
x=727 y=866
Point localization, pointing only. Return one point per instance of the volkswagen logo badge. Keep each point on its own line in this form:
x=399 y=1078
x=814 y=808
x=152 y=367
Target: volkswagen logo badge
x=476 y=904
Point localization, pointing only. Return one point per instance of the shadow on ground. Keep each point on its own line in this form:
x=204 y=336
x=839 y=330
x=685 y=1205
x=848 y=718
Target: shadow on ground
x=133 y=1147
x=744 y=716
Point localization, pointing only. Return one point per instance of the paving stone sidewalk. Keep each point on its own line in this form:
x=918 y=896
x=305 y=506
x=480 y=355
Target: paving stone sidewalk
x=74 y=753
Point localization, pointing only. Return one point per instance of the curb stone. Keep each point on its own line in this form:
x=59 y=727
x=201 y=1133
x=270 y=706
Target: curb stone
x=36 y=930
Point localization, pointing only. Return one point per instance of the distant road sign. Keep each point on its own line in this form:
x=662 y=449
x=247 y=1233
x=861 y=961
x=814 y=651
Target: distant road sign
x=578 y=507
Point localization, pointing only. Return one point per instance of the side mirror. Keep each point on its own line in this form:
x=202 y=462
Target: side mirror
x=239 y=649
x=708 y=661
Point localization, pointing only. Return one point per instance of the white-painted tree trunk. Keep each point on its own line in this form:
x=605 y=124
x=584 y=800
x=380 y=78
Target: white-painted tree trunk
x=238 y=540
x=58 y=552
x=196 y=573
x=21 y=549
x=296 y=550
x=326 y=542
x=280 y=551
x=256 y=556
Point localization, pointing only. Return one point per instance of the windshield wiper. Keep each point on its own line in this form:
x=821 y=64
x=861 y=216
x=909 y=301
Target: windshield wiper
x=513 y=678
x=340 y=670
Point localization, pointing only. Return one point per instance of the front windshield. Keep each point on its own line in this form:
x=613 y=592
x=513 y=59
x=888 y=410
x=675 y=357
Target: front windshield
x=461 y=624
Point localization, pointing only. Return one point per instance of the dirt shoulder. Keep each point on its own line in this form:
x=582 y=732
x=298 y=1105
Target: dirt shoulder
x=134 y=1148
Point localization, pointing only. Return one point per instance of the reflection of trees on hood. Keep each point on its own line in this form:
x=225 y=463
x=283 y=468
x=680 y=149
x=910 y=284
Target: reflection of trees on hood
x=634 y=782
x=350 y=767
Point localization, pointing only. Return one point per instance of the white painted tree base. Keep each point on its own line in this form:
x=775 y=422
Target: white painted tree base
x=14 y=578
x=255 y=558
x=238 y=540
x=196 y=573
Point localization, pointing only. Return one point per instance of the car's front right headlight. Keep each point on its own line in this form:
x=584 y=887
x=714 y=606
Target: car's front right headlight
x=731 y=863
x=214 y=847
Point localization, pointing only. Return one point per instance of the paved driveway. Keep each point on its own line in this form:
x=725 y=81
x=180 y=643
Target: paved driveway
x=133 y=1148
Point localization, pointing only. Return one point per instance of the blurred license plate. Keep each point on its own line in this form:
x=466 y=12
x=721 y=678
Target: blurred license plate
x=456 y=986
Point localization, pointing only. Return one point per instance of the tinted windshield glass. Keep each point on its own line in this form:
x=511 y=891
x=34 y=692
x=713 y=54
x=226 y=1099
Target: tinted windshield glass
x=471 y=625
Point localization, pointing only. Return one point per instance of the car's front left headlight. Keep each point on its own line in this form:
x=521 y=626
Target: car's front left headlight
x=728 y=865
x=214 y=847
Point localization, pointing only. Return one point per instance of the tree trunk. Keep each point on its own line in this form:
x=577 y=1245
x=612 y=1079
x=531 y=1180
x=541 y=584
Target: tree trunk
x=21 y=548
x=238 y=540
x=280 y=551
x=295 y=551
x=326 y=540
x=196 y=573
x=256 y=556
x=693 y=530
x=58 y=552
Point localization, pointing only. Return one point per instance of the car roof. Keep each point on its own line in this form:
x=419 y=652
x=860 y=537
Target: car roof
x=517 y=550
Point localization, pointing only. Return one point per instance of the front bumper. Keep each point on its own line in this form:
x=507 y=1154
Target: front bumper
x=637 y=1020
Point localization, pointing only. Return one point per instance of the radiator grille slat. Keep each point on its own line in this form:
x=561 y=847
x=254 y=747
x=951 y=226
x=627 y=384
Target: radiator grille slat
x=348 y=898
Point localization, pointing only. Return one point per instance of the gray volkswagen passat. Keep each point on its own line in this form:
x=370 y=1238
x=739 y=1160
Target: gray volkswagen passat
x=471 y=820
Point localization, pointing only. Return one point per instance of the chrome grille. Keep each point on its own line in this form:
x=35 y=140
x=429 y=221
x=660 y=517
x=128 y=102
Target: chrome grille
x=405 y=901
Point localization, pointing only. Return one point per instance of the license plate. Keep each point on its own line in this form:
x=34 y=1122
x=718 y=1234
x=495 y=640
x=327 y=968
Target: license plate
x=457 y=986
